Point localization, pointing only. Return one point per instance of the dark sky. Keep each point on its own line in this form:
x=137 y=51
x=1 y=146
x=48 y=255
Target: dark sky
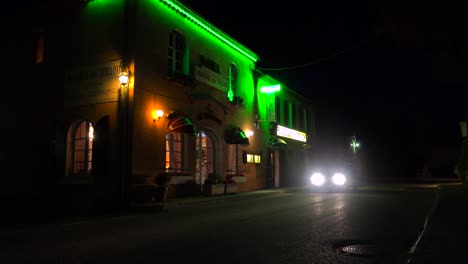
x=395 y=73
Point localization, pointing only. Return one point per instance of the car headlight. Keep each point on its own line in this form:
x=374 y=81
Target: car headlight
x=317 y=179
x=339 y=179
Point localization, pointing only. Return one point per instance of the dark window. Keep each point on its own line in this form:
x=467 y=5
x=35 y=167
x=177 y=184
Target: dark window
x=233 y=81
x=176 y=53
x=301 y=121
x=293 y=116
x=306 y=116
x=278 y=109
x=286 y=113
x=39 y=46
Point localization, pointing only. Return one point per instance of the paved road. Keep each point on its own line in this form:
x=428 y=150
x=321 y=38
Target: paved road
x=299 y=227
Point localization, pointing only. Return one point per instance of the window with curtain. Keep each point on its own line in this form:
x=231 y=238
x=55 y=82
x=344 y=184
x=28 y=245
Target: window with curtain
x=175 y=151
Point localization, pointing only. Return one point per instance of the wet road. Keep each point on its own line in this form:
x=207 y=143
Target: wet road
x=297 y=227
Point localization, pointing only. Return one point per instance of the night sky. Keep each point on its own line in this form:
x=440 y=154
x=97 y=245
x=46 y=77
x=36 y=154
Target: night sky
x=394 y=73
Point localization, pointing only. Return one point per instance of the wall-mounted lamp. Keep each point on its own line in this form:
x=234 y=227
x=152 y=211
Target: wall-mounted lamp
x=157 y=114
x=123 y=78
x=249 y=133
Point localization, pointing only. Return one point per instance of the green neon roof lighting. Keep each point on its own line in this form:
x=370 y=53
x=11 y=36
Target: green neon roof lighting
x=198 y=20
x=270 y=89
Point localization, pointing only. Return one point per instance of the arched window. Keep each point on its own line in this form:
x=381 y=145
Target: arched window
x=82 y=153
x=233 y=82
x=176 y=53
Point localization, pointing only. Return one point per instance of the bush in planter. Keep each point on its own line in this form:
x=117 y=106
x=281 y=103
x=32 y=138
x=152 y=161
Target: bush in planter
x=230 y=185
x=212 y=187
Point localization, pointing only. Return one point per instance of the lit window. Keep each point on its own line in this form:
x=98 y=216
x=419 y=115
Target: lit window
x=175 y=151
x=40 y=48
x=83 y=149
x=176 y=53
x=257 y=159
x=233 y=82
x=250 y=158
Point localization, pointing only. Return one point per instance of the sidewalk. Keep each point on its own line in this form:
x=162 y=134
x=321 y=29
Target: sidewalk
x=184 y=201
x=30 y=217
x=445 y=238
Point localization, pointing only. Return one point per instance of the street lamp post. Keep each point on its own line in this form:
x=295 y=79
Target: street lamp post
x=354 y=145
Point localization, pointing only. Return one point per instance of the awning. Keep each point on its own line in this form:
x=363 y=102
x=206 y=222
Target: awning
x=236 y=136
x=306 y=147
x=277 y=143
x=180 y=123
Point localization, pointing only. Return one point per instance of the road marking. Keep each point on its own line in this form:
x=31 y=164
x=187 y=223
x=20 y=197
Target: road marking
x=426 y=221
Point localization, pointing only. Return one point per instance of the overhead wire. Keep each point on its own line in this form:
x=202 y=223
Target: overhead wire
x=339 y=52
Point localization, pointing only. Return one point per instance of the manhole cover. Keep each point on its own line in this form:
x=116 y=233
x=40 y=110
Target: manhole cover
x=362 y=250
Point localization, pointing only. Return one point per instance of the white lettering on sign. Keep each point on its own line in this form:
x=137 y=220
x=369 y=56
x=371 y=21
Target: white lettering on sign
x=211 y=78
x=291 y=133
x=92 y=84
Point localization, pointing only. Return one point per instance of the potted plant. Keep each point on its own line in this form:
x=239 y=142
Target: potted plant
x=238 y=101
x=212 y=187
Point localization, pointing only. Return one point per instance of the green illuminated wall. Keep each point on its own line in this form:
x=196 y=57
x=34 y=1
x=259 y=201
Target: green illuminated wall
x=154 y=20
x=263 y=81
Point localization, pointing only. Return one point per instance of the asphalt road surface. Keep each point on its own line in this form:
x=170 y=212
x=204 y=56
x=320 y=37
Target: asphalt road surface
x=295 y=227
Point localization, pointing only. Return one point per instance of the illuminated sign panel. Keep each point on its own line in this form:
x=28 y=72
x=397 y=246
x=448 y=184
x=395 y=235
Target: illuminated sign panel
x=270 y=89
x=257 y=159
x=291 y=133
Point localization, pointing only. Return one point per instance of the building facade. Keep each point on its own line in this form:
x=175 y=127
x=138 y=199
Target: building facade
x=150 y=87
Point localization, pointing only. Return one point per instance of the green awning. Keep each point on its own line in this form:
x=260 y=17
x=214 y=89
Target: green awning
x=236 y=136
x=276 y=142
x=180 y=123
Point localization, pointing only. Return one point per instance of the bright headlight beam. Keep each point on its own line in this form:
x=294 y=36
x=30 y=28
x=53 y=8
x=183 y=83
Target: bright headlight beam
x=338 y=179
x=317 y=179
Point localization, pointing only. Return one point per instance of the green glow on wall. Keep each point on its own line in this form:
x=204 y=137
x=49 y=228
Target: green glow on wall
x=270 y=89
x=93 y=2
x=196 y=19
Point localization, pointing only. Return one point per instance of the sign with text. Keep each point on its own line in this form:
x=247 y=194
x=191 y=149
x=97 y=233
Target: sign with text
x=291 y=133
x=92 y=84
x=211 y=78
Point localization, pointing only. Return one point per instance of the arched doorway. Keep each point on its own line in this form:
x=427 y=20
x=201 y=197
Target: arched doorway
x=206 y=162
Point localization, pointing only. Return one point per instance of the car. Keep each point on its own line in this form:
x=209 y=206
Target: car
x=332 y=178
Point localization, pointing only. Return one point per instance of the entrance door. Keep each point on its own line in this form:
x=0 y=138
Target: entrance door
x=274 y=179
x=205 y=157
